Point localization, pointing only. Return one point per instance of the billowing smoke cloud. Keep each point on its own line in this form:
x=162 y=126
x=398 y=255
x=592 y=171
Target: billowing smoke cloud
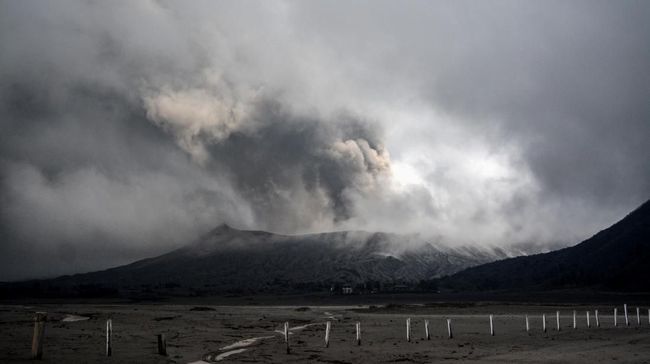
x=197 y=114
x=302 y=173
x=130 y=128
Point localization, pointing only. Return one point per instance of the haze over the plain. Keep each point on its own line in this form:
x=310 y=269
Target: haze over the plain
x=129 y=128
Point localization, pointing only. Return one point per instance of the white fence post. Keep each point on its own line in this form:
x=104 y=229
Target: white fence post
x=426 y=330
x=615 y=317
x=544 y=322
x=588 y=322
x=597 y=320
x=286 y=335
x=451 y=335
x=109 y=337
x=328 y=327
x=491 y=326
x=575 y=324
x=408 y=329
x=557 y=320
x=627 y=322
x=358 y=333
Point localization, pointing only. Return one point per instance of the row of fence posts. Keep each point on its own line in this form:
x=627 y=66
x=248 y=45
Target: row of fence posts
x=39 y=331
x=491 y=318
x=41 y=317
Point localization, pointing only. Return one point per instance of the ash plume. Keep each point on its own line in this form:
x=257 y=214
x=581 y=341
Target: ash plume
x=130 y=128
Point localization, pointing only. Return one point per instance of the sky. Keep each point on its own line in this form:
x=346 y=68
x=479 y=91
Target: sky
x=131 y=128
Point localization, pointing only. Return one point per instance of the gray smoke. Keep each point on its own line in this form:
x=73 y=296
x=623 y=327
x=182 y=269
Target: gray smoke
x=131 y=128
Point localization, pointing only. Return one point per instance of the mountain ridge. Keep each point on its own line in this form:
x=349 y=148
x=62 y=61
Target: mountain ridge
x=231 y=260
x=615 y=258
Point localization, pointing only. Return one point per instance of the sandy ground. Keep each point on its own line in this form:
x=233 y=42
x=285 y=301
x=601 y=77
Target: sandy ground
x=252 y=334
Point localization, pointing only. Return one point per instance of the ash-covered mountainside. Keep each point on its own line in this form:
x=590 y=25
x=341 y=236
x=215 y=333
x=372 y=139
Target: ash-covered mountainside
x=231 y=260
x=617 y=258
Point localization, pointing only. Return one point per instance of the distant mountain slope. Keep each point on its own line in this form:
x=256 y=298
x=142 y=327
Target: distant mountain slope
x=617 y=258
x=231 y=260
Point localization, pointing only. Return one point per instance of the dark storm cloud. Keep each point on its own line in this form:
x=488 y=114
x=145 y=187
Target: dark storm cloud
x=570 y=82
x=288 y=154
x=90 y=181
x=129 y=128
x=91 y=170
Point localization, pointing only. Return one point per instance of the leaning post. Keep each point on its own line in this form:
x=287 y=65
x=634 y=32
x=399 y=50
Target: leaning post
x=426 y=330
x=328 y=326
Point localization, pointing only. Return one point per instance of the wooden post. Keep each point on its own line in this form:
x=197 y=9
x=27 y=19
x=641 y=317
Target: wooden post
x=575 y=323
x=426 y=330
x=597 y=320
x=39 y=331
x=328 y=326
x=491 y=326
x=109 y=337
x=627 y=322
x=638 y=316
x=451 y=335
x=358 y=326
x=544 y=322
x=162 y=345
x=615 y=316
x=408 y=329
x=527 y=324
x=588 y=322
x=557 y=320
